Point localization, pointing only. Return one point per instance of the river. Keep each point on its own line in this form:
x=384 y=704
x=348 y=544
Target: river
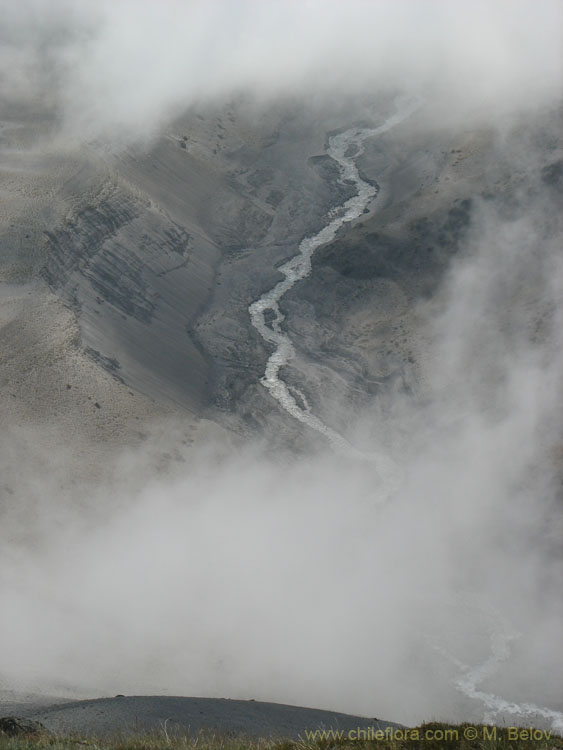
x=344 y=148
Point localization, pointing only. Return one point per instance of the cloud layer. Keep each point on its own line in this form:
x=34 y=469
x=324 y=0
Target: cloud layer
x=125 y=67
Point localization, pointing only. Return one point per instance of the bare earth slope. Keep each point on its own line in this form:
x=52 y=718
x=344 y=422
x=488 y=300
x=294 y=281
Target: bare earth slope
x=126 y=277
x=136 y=714
x=159 y=250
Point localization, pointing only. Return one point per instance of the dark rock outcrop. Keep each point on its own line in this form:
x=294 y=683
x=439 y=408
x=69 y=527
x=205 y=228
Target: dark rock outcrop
x=14 y=725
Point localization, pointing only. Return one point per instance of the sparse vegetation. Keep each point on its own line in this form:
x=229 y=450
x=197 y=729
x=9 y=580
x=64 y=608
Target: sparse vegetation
x=434 y=736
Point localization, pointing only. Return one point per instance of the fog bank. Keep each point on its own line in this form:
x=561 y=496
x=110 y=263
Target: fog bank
x=121 y=69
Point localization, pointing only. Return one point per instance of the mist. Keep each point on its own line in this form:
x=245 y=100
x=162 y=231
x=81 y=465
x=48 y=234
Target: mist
x=289 y=579
x=242 y=571
x=123 y=69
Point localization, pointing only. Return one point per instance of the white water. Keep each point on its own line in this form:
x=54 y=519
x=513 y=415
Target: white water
x=470 y=678
x=496 y=707
x=299 y=267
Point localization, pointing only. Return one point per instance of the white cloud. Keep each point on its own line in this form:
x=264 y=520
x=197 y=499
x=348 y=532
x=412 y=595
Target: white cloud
x=124 y=67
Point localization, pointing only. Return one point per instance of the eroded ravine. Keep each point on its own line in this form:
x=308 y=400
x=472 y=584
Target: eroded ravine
x=344 y=148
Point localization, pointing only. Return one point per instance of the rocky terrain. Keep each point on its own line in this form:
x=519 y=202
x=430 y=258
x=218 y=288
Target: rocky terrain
x=127 y=274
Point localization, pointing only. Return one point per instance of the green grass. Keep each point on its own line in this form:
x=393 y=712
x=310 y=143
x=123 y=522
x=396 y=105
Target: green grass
x=434 y=736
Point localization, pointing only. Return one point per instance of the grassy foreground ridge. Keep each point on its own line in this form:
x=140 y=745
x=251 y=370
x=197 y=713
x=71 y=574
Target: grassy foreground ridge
x=426 y=737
